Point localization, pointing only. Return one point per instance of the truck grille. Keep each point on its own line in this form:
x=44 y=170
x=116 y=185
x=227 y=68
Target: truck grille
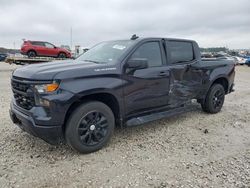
x=23 y=94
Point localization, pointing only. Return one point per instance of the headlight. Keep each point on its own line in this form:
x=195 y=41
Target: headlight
x=47 y=88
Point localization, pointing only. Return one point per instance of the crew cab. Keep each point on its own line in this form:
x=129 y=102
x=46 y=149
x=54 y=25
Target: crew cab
x=116 y=83
x=40 y=48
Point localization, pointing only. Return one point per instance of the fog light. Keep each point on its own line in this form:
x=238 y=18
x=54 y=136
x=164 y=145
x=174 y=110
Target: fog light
x=41 y=102
x=44 y=102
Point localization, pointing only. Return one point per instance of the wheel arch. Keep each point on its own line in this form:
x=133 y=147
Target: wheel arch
x=31 y=50
x=61 y=52
x=223 y=81
x=107 y=98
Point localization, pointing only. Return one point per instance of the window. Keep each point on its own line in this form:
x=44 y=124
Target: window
x=150 y=51
x=180 y=52
x=107 y=52
x=36 y=43
x=48 y=45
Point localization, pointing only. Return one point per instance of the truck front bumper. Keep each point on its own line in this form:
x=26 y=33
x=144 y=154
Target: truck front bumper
x=50 y=134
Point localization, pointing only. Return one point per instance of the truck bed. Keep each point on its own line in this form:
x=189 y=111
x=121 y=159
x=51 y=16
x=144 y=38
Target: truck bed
x=215 y=62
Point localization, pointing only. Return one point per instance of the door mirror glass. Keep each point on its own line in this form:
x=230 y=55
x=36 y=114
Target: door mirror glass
x=137 y=63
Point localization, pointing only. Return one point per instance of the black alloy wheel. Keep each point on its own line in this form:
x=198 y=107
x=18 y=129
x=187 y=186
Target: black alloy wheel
x=214 y=99
x=218 y=99
x=92 y=128
x=89 y=127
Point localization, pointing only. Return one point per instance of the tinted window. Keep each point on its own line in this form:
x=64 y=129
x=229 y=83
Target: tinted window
x=37 y=43
x=179 y=52
x=150 y=51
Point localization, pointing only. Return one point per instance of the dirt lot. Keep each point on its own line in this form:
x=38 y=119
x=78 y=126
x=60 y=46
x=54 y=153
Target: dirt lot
x=192 y=150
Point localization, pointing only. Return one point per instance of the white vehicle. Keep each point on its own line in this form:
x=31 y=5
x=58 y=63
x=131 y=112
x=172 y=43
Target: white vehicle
x=240 y=60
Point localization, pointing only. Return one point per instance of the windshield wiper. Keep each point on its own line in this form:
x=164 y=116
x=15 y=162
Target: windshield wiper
x=91 y=61
x=97 y=62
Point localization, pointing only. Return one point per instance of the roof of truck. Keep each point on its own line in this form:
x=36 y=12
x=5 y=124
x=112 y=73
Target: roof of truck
x=152 y=38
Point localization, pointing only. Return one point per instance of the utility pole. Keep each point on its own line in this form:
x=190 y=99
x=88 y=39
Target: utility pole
x=71 y=38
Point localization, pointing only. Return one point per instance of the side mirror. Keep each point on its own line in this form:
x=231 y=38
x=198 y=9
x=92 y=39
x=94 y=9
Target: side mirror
x=55 y=47
x=137 y=63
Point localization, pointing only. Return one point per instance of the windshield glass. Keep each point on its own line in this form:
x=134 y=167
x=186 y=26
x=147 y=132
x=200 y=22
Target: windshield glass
x=106 y=52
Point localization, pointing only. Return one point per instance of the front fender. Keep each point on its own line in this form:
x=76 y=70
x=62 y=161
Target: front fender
x=89 y=86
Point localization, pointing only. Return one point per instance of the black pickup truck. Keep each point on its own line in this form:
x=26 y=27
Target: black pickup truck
x=116 y=83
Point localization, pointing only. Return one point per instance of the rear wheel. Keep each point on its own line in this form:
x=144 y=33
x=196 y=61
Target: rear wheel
x=31 y=54
x=90 y=127
x=214 y=99
x=62 y=55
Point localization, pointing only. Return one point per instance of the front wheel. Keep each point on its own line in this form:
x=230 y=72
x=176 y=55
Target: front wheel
x=62 y=55
x=90 y=127
x=214 y=99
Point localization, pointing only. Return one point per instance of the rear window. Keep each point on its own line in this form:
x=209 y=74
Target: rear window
x=180 y=52
x=36 y=43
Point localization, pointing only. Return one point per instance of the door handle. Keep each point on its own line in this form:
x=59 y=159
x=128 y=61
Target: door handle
x=193 y=68
x=163 y=73
x=197 y=70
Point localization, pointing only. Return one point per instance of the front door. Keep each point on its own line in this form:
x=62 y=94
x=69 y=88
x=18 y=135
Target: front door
x=147 y=89
x=50 y=50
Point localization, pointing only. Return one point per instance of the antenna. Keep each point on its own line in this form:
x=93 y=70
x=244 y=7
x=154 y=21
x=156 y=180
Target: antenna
x=134 y=37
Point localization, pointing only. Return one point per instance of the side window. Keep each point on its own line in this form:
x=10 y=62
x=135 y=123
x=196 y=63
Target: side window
x=48 y=45
x=180 y=52
x=150 y=51
x=37 y=43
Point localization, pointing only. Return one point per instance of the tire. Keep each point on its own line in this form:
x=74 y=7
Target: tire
x=31 y=53
x=90 y=127
x=214 y=99
x=62 y=55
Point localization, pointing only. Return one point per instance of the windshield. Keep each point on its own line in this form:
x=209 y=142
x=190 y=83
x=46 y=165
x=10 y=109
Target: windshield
x=106 y=52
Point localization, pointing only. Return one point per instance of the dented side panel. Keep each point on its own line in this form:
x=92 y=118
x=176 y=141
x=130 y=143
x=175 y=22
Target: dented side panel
x=185 y=84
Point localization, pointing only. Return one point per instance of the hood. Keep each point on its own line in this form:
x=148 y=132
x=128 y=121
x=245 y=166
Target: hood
x=63 y=50
x=65 y=69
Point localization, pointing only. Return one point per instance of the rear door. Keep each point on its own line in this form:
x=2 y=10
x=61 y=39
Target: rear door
x=185 y=80
x=39 y=47
x=147 y=89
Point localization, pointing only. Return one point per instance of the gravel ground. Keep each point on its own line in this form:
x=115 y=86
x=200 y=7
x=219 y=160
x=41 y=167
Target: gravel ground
x=192 y=150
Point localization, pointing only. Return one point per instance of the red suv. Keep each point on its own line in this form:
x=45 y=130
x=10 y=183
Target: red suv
x=39 y=48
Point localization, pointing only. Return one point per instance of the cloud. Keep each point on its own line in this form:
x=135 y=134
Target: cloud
x=211 y=23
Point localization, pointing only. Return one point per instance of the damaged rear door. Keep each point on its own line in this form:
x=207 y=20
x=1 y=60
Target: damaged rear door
x=185 y=80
